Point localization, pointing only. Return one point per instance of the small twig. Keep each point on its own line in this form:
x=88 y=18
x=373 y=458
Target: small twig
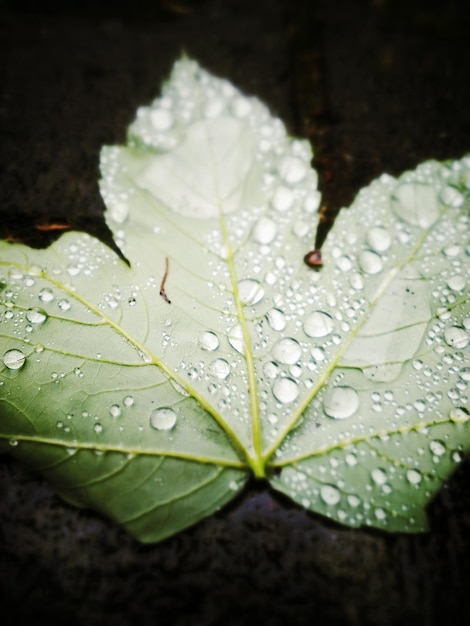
x=162 y=284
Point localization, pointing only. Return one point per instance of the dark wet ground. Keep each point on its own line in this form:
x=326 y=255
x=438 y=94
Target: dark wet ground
x=377 y=86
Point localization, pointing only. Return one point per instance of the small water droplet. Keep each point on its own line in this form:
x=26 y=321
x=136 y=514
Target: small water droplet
x=46 y=295
x=98 y=428
x=292 y=170
x=414 y=476
x=379 y=476
x=36 y=316
x=370 y=262
x=287 y=351
x=380 y=514
x=264 y=231
x=115 y=410
x=285 y=390
x=270 y=369
x=161 y=119
x=456 y=337
x=13 y=442
x=128 y=401
x=379 y=239
x=250 y=291
x=14 y=359
x=283 y=199
x=318 y=324
x=341 y=402
x=330 y=494
x=208 y=341
x=459 y=415
x=64 y=304
x=456 y=283
x=235 y=338
x=220 y=368
x=163 y=418
x=437 y=447
x=276 y=319
x=353 y=501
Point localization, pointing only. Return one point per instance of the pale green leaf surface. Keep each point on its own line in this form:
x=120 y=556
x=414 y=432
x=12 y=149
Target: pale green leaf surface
x=347 y=388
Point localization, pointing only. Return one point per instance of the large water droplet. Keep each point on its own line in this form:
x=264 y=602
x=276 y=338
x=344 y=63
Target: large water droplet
x=379 y=476
x=276 y=319
x=36 y=316
x=330 y=495
x=285 y=390
x=341 y=402
x=287 y=351
x=379 y=239
x=414 y=476
x=250 y=291
x=318 y=324
x=264 y=230
x=220 y=368
x=14 y=359
x=208 y=341
x=235 y=338
x=456 y=337
x=46 y=295
x=457 y=282
x=416 y=204
x=370 y=262
x=163 y=418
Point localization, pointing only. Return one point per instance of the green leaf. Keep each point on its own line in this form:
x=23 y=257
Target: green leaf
x=346 y=388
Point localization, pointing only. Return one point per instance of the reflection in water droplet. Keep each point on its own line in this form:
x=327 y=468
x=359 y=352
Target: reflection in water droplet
x=14 y=359
x=250 y=291
x=276 y=319
x=456 y=337
x=36 y=316
x=318 y=324
x=330 y=495
x=414 y=476
x=163 y=419
x=264 y=230
x=341 y=402
x=219 y=368
x=235 y=338
x=379 y=239
x=286 y=351
x=128 y=401
x=208 y=341
x=370 y=262
x=437 y=447
x=285 y=390
x=379 y=476
x=46 y=295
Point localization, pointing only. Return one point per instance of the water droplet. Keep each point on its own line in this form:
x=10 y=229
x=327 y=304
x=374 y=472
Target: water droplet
x=330 y=495
x=115 y=410
x=318 y=354
x=36 y=316
x=235 y=338
x=13 y=442
x=318 y=324
x=459 y=415
x=241 y=107
x=456 y=337
x=344 y=263
x=163 y=419
x=437 y=447
x=276 y=319
x=287 y=351
x=452 y=197
x=292 y=170
x=353 y=501
x=208 y=341
x=220 y=368
x=379 y=239
x=414 y=476
x=46 y=295
x=270 y=369
x=370 y=262
x=283 y=199
x=341 y=402
x=380 y=514
x=351 y=460
x=416 y=204
x=264 y=231
x=379 y=476
x=285 y=390
x=98 y=428
x=456 y=283
x=161 y=119
x=250 y=291
x=14 y=359
x=128 y=401
x=73 y=270
x=64 y=305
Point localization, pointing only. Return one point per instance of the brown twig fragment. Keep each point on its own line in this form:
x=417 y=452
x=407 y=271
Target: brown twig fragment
x=162 y=284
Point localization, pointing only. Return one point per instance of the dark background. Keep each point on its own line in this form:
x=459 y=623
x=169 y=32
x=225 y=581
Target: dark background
x=376 y=85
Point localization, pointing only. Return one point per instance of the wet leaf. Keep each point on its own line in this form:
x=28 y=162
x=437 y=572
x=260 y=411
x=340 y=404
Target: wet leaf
x=347 y=388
